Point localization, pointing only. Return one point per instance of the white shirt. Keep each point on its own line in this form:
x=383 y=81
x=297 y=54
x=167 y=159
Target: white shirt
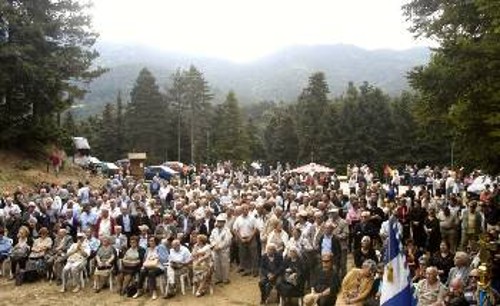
x=11 y=209
x=245 y=226
x=221 y=237
x=105 y=227
x=181 y=256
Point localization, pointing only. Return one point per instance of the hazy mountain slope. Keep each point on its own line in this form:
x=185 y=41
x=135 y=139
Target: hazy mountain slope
x=280 y=76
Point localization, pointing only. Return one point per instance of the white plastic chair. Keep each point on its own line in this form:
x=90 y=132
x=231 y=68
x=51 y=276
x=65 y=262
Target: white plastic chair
x=110 y=280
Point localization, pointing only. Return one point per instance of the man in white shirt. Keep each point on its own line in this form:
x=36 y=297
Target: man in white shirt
x=10 y=208
x=245 y=229
x=220 y=241
x=179 y=260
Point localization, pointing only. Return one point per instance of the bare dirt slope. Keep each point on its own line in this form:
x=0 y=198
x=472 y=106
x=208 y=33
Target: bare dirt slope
x=16 y=169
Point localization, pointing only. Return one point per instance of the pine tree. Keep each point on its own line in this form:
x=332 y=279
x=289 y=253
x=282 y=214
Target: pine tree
x=120 y=127
x=145 y=117
x=311 y=107
x=107 y=136
x=44 y=47
x=280 y=137
x=230 y=141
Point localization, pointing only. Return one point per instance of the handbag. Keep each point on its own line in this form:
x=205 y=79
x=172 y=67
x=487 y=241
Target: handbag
x=151 y=263
x=19 y=253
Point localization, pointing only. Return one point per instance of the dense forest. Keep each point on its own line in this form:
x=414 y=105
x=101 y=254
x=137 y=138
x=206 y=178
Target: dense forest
x=47 y=53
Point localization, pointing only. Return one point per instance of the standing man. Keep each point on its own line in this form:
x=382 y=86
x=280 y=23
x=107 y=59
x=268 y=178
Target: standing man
x=220 y=241
x=128 y=223
x=245 y=228
x=341 y=232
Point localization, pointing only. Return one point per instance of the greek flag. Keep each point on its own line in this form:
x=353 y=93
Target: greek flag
x=396 y=284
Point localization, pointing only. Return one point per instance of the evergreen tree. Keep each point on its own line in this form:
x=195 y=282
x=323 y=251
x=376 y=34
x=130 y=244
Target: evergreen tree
x=311 y=107
x=461 y=84
x=256 y=147
x=280 y=137
x=198 y=106
x=120 y=127
x=145 y=117
x=44 y=47
x=230 y=141
x=107 y=136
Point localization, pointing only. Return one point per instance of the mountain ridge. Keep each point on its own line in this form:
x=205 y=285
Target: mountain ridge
x=279 y=76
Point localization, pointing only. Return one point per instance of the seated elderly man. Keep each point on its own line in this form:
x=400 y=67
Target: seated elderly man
x=325 y=285
x=461 y=268
x=430 y=291
x=77 y=258
x=270 y=271
x=180 y=259
x=455 y=295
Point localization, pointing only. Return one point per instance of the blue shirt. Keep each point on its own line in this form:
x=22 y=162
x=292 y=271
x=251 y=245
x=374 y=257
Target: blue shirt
x=86 y=220
x=162 y=254
x=126 y=223
x=5 y=245
x=326 y=244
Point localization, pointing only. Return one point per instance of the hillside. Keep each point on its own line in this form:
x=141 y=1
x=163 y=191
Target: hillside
x=17 y=169
x=277 y=77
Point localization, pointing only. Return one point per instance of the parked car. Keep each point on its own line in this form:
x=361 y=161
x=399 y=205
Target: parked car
x=163 y=172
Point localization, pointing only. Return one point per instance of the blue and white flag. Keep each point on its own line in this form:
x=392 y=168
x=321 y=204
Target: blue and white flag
x=396 y=287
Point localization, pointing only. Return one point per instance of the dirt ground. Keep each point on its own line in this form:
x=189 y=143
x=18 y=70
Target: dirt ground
x=241 y=291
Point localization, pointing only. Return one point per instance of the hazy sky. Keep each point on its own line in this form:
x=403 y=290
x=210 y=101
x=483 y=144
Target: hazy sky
x=242 y=30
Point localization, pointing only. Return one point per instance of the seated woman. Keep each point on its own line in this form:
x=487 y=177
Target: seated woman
x=104 y=258
x=358 y=283
x=152 y=267
x=202 y=265
x=20 y=251
x=292 y=282
x=36 y=259
x=365 y=252
x=131 y=264
x=270 y=271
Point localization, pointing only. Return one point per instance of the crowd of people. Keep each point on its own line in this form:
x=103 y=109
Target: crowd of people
x=293 y=232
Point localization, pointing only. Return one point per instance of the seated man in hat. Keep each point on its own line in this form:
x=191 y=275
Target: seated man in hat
x=77 y=257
